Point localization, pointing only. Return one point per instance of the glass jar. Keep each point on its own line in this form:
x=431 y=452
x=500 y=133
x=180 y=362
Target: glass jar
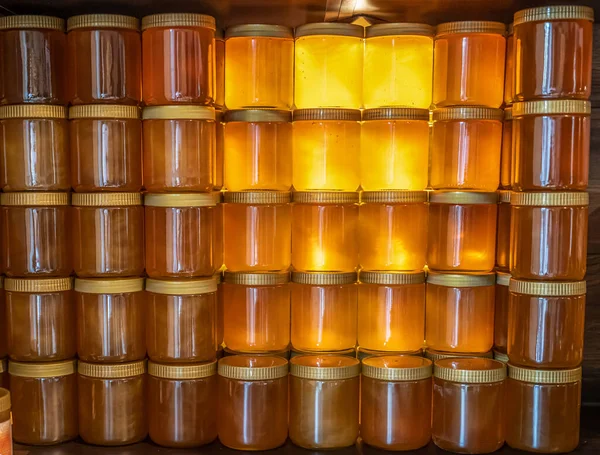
x=40 y=317
x=468 y=64
x=179 y=144
x=501 y=312
x=259 y=67
x=4 y=377
x=256 y=311
x=253 y=402
x=324 y=311
x=108 y=234
x=34 y=56
x=218 y=231
x=326 y=149
x=104 y=59
x=553 y=52
x=178 y=56
x=110 y=320
x=466 y=147
x=543 y=409
x=551 y=145
x=398 y=66
x=257 y=226
x=546 y=323
x=395 y=395
x=324 y=401
x=469 y=405
x=181 y=320
x=503 y=231
x=180 y=235
x=44 y=402
x=112 y=403
x=548 y=236
x=219 y=68
x=220 y=150
x=386 y=240
x=328 y=65
x=258 y=150
x=35 y=148
x=391 y=311
x=394 y=149
x=460 y=312
x=509 y=73
x=6 y=443
x=106 y=148
x=36 y=234
x=182 y=404
x=325 y=231
x=462 y=231
x=506 y=152
x=434 y=355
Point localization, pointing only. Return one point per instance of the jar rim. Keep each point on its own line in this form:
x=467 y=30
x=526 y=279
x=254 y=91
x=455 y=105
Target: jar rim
x=502 y=278
x=253 y=368
x=393 y=197
x=345 y=352
x=112 y=371
x=178 y=112
x=399 y=28
x=463 y=197
x=461 y=280
x=31 y=21
x=284 y=353
x=259 y=30
x=434 y=355
x=326 y=113
x=501 y=357
x=330 y=29
x=362 y=353
x=325 y=197
x=395 y=113
x=34 y=199
x=256 y=278
x=324 y=367
x=397 y=368
x=38 y=285
x=42 y=370
x=544 y=376
x=257 y=197
x=178 y=20
x=324 y=278
x=178 y=200
x=258 y=115
x=109 y=111
x=504 y=196
x=196 y=371
x=106 y=199
x=469 y=370
x=550 y=199
x=548 y=288
x=384 y=277
x=108 y=286
x=553 y=13
x=551 y=107
x=33 y=111
x=5 y=404
x=489 y=27
x=103 y=21
x=467 y=113
x=196 y=286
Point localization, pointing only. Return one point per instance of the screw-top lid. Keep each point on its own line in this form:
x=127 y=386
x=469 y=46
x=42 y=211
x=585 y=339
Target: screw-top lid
x=32 y=21
x=501 y=357
x=113 y=371
x=257 y=115
x=470 y=370
x=325 y=197
x=38 y=285
x=109 y=111
x=324 y=278
x=256 y=278
x=554 y=13
x=448 y=28
x=103 y=21
x=434 y=355
x=328 y=113
x=549 y=107
x=330 y=28
x=257 y=197
x=393 y=197
x=503 y=279
x=395 y=113
x=467 y=113
x=4 y=400
x=182 y=287
x=399 y=28
x=397 y=368
x=178 y=20
x=180 y=200
x=544 y=376
x=31 y=198
x=196 y=371
x=462 y=280
x=463 y=197
x=548 y=288
x=391 y=278
x=504 y=196
x=508 y=113
x=259 y=30
x=106 y=199
x=42 y=370
x=181 y=112
x=109 y=286
x=253 y=368
x=324 y=367
x=554 y=199
x=33 y=111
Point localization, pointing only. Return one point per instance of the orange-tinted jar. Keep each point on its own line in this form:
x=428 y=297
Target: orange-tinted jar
x=543 y=409
x=219 y=68
x=44 y=399
x=182 y=404
x=35 y=148
x=503 y=231
x=551 y=145
x=257 y=226
x=106 y=148
x=553 y=52
x=179 y=144
x=546 y=323
x=4 y=377
x=466 y=145
x=548 y=238
x=253 y=402
x=256 y=311
x=468 y=64
x=112 y=403
x=220 y=150
x=324 y=401
x=36 y=234
x=391 y=311
x=325 y=231
x=180 y=235
x=108 y=234
x=324 y=311
x=218 y=231
x=33 y=52
x=110 y=320
x=178 y=55
x=395 y=395
x=181 y=320
x=462 y=231
x=509 y=72
x=506 y=157
x=501 y=313
x=104 y=59
x=460 y=312
x=40 y=317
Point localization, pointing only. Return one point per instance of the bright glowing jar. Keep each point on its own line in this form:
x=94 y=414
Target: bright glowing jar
x=501 y=313
x=503 y=231
x=509 y=73
x=219 y=68
x=506 y=152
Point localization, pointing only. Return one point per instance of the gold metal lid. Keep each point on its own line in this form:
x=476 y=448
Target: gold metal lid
x=197 y=371
x=503 y=279
x=106 y=199
x=31 y=111
x=504 y=196
x=318 y=114
x=258 y=115
x=467 y=113
x=253 y=367
x=31 y=198
x=399 y=28
x=178 y=20
x=182 y=112
x=180 y=200
x=325 y=197
x=324 y=367
x=256 y=278
x=113 y=371
x=397 y=368
x=434 y=355
x=110 y=111
x=544 y=376
x=395 y=113
x=548 y=288
x=497 y=28
x=38 y=285
x=501 y=357
x=391 y=278
x=463 y=197
x=550 y=107
x=103 y=21
x=470 y=370
x=393 y=197
x=4 y=400
x=259 y=30
x=3 y=365
x=462 y=280
x=42 y=370
x=109 y=286
x=330 y=28
x=257 y=197
x=324 y=278
x=553 y=199
x=32 y=21
x=554 y=13
x=508 y=113
x=182 y=287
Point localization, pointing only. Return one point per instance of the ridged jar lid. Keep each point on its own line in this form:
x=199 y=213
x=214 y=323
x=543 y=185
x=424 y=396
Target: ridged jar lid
x=548 y=288
x=42 y=370
x=502 y=278
x=397 y=368
x=470 y=370
x=196 y=371
x=31 y=198
x=256 y=278
x=399 y=28
x=182 y=287
x=103 y=21
x=38 y=285
x=554 y=13
x=554 y=199
x=253 y=368
x=110 y=111
x=327 y=113
x=178 y=20
x=463 y=197
x=330 y=28
x=549 y=107
x=434 y=355
x=109 y=286
x=391 y=278
x=325 y=197
x=504 y=196
x=324 y=367
x=461 y=280
x=258 y=115
x=324 y=278
x=501 y=357
x=106 y=199
x=180 y=200
x=544 y=376
x=395 y=113
x=32 y=21
x=508 y=113
x=4 y=400
x=182 y=112
x=31 y=111
x=257 y=197
x=394 y=197
x=448 y=28
x=468 y=113
x=259 y=30
x=112 y=371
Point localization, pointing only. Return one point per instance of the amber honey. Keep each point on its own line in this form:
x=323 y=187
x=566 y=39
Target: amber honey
x=506 y=158
x=219 y=68
x=501 y=313
x=503 y=231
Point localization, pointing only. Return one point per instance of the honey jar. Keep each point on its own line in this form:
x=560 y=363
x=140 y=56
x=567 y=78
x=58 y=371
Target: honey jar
x=503 y=231
x=218 y=231
x=506 y=151
x=509 y=73
x=501 y=313
x=6 y=443
x=220 y=150
x=219 y=68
